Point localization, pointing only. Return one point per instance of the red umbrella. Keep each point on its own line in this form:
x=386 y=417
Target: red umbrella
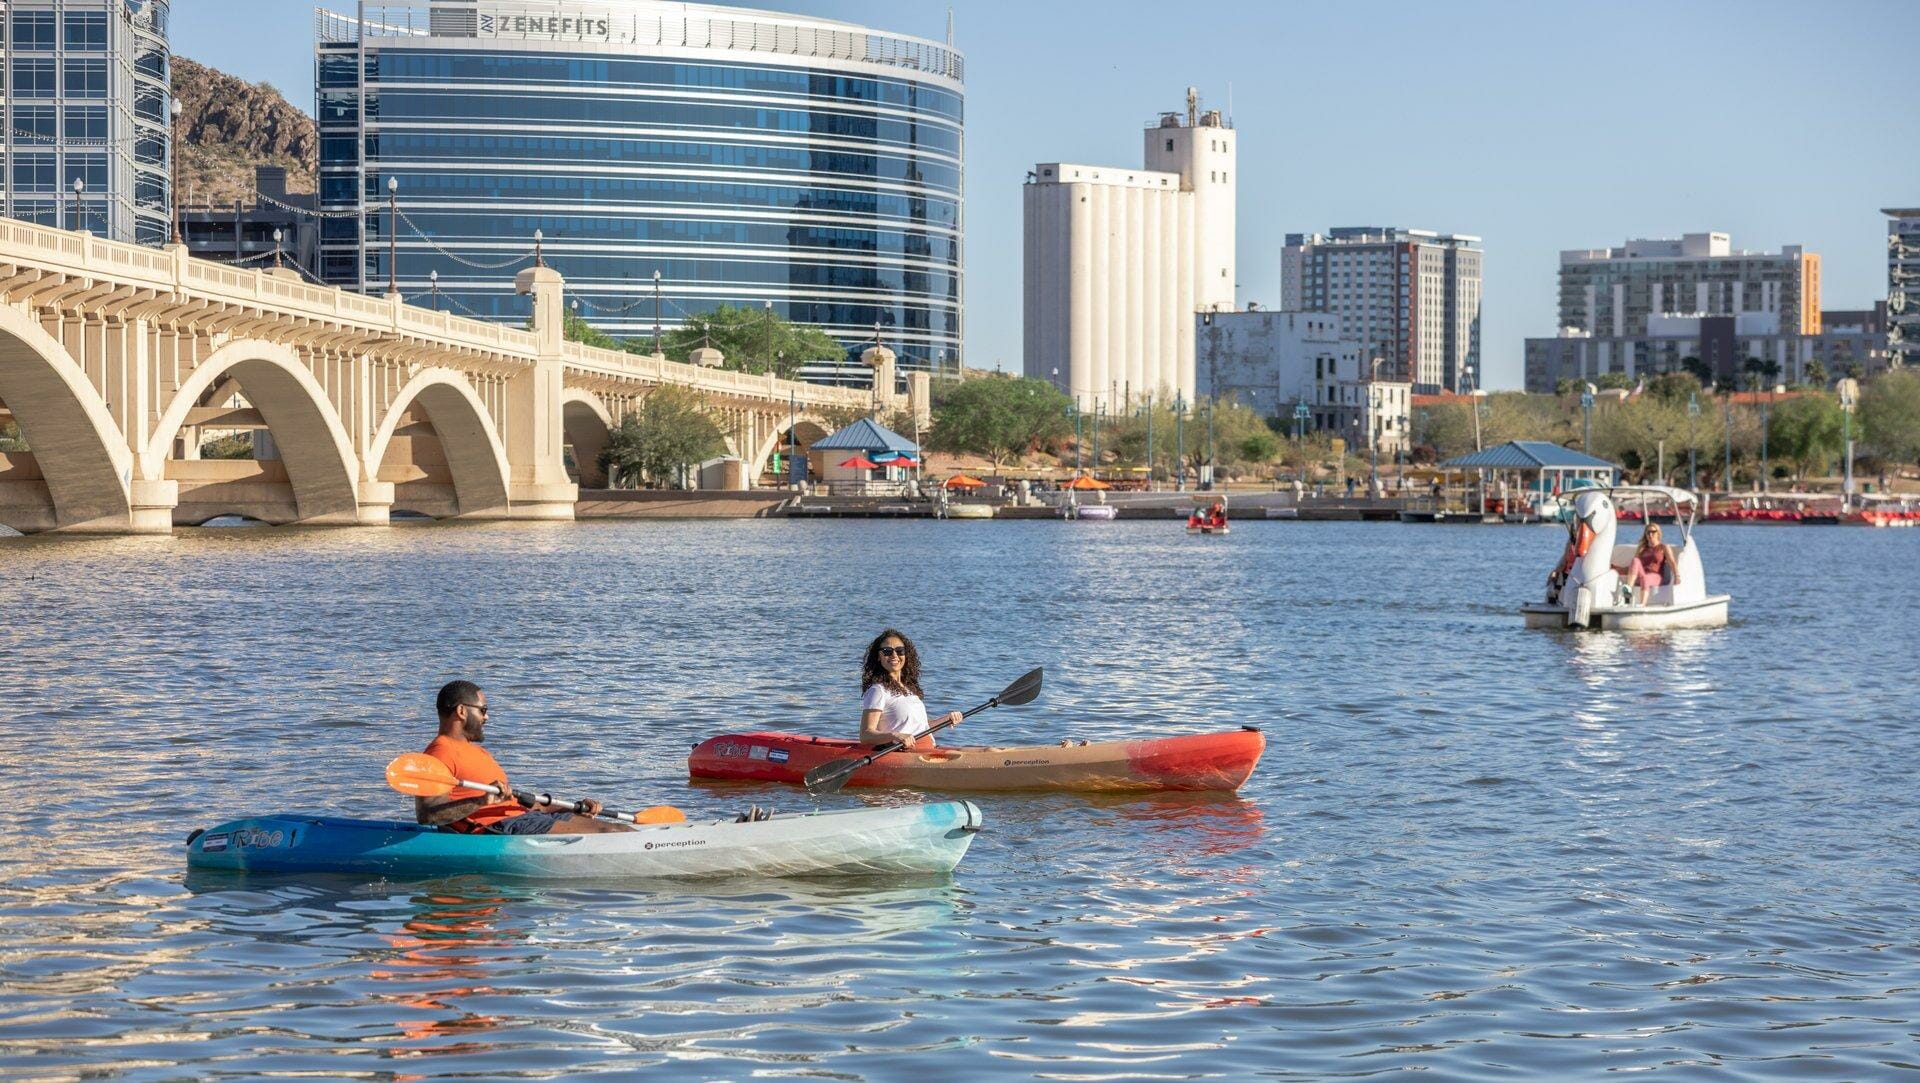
x=963 y=481
x=860 y=462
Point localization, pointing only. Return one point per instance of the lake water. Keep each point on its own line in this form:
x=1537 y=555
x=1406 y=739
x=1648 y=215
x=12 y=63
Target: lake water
x=1471 y=850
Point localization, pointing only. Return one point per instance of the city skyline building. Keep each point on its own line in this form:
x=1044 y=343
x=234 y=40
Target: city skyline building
x=767 y=161
x=1848 y=339
x=1411 y=296
x=1117 y=261
x=1274 y=362
x=87 y=139
x=1903 y=284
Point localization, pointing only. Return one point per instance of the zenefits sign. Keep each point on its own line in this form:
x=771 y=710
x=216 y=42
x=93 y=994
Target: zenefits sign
x=558 y=25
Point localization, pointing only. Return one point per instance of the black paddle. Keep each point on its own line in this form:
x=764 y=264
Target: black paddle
x=830 y=776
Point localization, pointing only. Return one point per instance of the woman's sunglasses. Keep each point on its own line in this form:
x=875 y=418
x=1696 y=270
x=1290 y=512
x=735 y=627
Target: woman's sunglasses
x=889 y=652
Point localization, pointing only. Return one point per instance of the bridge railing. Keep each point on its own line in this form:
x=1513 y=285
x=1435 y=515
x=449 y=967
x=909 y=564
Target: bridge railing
x=27 y=244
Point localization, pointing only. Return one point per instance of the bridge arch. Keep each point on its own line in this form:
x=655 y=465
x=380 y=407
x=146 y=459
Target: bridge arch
x=314 y=446
x=476 y=457
x=78 y=450
x=807 y=427
x=587 y=424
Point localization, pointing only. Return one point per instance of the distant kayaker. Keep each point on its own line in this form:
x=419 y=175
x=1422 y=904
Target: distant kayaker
x=463 y=724
x=890 y=705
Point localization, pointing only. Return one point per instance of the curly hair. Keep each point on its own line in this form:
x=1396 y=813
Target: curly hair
x=872 y=672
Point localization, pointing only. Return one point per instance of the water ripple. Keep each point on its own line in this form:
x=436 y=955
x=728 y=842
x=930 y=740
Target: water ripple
x=1471 y=851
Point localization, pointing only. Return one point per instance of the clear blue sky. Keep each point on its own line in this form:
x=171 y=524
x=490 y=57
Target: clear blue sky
x=1536 y=126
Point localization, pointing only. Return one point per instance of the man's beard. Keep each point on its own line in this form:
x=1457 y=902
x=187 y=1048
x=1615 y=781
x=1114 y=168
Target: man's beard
x=477 y=732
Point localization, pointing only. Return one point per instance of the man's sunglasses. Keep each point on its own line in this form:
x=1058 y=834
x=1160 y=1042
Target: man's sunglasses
x=888 y=652
x=481 y=707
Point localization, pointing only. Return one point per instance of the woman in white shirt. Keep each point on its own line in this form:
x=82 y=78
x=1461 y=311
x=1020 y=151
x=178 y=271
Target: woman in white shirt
x=890 y=705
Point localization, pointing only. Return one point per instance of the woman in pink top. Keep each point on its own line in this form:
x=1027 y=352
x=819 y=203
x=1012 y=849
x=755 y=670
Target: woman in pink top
x=1653 y=565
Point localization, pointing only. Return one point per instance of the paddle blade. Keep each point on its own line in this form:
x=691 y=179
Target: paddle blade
x=829 y=777
x=1024 y=690
x=660 y=814
x=420 y=775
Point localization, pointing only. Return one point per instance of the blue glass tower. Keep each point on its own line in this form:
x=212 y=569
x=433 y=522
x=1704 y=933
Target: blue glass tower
x=754 y=159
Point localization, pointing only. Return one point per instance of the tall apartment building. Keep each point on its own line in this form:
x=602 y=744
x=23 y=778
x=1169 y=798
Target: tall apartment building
x=86 y=142
x=1411 y=296
x=1610 y=292
x=1641 y=308
x=1903 y=285
x=1118 y=260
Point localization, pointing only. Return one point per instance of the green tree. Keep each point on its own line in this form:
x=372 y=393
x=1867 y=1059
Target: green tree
x=1700 y=370
x=1674 y=387
x=669 y=430
x=751 y=340
x=1817 y=374
x=575 y=329
x=998 y=416
x=1613 y=381
x=10 y=438
x=1806 y=431
x=1257 y=447
x=1890 y=414
x=232 y=446
x=1634 y=432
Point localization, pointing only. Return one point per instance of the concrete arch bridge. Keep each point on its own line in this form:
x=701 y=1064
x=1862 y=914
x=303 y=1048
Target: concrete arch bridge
x=116 y=359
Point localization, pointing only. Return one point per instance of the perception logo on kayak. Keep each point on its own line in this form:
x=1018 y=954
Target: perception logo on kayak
x=1026 y=763
x=676 y=844
x=729 y=750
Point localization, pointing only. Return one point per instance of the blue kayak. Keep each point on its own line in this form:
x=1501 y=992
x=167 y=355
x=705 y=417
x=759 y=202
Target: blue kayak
x=876 y=841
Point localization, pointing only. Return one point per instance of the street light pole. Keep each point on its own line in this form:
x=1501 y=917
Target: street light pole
x=656 y=310
x=1179 y=443
x=1586 y=414
x=393 y=234
x=767 y=307
x=1693 y=469
x=173 y=169
x=1849 y=398
x=1150 y=485
x=79 y=186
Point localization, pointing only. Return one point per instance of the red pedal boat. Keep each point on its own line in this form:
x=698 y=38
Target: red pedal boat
x=1201 y=761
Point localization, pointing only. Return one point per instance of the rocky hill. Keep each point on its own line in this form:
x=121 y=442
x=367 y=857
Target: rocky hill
x=227 y=126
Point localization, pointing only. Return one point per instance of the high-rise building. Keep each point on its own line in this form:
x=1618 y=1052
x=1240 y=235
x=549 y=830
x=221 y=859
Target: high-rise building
x=762 y=160
x=86 y=140
x=1645 y=307
x=1411 y=296
x=1611 y=292
x=1118 y=260
x=1903 y=285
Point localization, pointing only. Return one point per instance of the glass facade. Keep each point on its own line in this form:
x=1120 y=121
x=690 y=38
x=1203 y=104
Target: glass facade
x=748 y=158
x=86 y=91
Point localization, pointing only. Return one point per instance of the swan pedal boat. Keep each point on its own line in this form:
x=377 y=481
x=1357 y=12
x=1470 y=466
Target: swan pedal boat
x=1197 y=762
x=912 y=839
x=1591 y=597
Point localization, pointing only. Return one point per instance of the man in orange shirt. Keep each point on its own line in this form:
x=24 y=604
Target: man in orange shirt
x=463 y=724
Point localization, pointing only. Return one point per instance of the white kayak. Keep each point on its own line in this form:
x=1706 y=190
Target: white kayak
x=856 y=842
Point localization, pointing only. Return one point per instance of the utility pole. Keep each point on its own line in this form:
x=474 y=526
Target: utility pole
x=656 y=310
x=1726 y=403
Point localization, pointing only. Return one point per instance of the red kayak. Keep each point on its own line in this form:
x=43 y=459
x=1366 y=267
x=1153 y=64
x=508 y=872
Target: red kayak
x=1201 y=761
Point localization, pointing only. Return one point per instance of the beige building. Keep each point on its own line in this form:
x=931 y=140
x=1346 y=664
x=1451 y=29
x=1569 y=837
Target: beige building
x=1118 y=260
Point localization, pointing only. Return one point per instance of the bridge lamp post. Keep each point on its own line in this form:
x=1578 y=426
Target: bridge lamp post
x=393 y=234
x=656 y=310
x=767 y=307
x=79 y=186
x=173 y=170
x=277 y=234
x=433 y=288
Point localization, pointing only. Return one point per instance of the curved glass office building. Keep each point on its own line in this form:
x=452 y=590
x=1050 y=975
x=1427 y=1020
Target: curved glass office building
x=751 y=158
